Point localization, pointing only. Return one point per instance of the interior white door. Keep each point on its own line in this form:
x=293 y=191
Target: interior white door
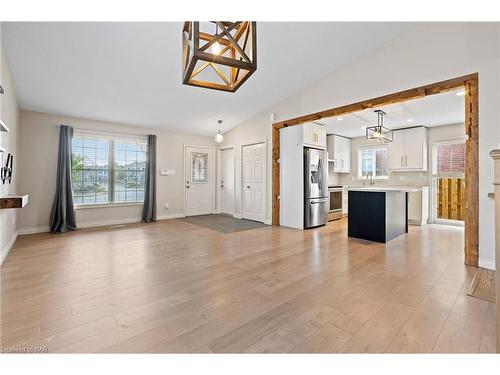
x=227 y=181
x=199 y=181
x=254 y=182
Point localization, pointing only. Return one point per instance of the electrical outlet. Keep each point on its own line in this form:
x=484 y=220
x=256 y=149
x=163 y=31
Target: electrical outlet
x=167 y=205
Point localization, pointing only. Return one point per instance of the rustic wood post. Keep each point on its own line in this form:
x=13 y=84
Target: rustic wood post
x=495 y=154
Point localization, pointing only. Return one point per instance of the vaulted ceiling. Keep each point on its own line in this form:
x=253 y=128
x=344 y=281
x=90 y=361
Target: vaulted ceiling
x=131 y=72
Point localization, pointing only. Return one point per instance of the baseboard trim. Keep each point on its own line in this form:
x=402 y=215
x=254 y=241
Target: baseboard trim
x=487 y=263
x=6 y=249
x=91 y=224
x=105 y=223
x=33 y=230
x=268 y=222
x=95 y=224
x=170 y=216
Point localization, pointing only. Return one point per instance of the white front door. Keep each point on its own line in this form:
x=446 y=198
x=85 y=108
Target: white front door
x=254 y=182
x=227 y=181
x=199 y=182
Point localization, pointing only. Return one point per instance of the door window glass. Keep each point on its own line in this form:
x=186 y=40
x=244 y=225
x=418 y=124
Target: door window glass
x=199 y=167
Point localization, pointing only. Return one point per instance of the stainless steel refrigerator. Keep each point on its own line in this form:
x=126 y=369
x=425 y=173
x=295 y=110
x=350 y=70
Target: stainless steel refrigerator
x=315 y=187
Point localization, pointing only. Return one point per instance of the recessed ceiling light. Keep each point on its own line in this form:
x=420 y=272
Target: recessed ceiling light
x=340 y=119
x=410 y=120
x=460 y=93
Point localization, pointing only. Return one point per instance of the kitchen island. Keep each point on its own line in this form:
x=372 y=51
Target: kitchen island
x=378 y=213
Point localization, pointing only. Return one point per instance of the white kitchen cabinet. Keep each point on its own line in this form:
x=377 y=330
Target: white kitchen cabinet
x=339 y=153
x=418 y=206
x=346 y=155
x=314 y=135
x=408 y=150
x=396 y=150
x=330 y=140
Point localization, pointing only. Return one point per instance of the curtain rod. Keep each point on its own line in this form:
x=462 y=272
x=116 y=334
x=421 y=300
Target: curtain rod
x=108 y=132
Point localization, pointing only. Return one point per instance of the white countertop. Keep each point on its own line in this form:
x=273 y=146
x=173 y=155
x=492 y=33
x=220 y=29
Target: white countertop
x=407 y=189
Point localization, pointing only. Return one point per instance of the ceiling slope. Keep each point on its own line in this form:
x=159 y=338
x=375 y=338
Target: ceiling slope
x=130 y=73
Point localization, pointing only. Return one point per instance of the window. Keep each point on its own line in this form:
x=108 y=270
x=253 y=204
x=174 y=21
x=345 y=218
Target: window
x=372 y=160
x=449 y=158
x=107 y=170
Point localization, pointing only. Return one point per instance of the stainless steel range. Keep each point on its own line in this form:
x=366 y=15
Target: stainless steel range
x=335 y=202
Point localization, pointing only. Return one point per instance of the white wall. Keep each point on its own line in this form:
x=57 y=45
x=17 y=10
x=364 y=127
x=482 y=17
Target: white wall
x=428 y=53
x=256 y=131
x=38 y=162
x=9 y=114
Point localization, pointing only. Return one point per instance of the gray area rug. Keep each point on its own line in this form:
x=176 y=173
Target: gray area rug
x=223 y=223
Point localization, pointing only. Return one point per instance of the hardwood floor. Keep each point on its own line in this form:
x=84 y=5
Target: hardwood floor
x=173 y=286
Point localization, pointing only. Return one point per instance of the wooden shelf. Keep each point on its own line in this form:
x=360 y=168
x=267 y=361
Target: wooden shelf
x=3 y=127
x=13 y=201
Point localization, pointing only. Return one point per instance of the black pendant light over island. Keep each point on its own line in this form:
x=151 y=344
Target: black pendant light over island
x=379 y=133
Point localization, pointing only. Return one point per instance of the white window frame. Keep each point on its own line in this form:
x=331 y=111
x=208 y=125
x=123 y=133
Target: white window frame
x=433 y=176
x=112 y=137
x=359 y=173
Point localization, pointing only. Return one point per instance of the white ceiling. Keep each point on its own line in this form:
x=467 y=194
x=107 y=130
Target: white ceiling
x=131 y=72
x=435 y=110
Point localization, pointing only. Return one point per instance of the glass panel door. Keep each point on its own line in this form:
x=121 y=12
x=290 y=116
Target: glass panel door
x=448 y=182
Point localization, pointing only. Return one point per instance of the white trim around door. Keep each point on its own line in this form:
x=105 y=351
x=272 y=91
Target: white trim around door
x=253 y=198
x=226 y=178
x=201 y=199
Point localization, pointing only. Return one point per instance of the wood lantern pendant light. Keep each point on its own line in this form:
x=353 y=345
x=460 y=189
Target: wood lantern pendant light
x=219 y=55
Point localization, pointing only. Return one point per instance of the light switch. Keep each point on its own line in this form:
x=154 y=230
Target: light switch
x=167 y=172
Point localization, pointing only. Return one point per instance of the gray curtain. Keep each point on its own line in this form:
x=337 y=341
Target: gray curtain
x=149 y=208
x=62 y=216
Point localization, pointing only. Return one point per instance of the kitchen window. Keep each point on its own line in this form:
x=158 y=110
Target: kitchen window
x=106 y=170
x=372 y=160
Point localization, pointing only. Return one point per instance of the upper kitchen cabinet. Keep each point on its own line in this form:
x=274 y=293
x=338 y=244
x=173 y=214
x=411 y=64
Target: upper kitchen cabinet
x=314 y=135
x=339 y=153
x=408 y=150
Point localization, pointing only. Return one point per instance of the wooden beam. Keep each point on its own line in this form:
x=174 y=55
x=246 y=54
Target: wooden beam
x=470 y=83
x=471 y=248
x=402 y=96
x=276 y=175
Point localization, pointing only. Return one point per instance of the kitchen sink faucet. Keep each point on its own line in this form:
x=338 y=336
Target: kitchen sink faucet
x=369 y=175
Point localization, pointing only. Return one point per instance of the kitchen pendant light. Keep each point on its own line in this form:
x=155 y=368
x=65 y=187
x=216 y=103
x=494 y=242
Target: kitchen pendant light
x=379 y=133
x=220 y=61
x=219 y=137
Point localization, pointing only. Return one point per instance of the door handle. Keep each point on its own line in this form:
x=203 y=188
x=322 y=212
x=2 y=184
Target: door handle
x=318 y=202
x=248 y=187
x=401 y=160
x=406 y=160
x=187 y=187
